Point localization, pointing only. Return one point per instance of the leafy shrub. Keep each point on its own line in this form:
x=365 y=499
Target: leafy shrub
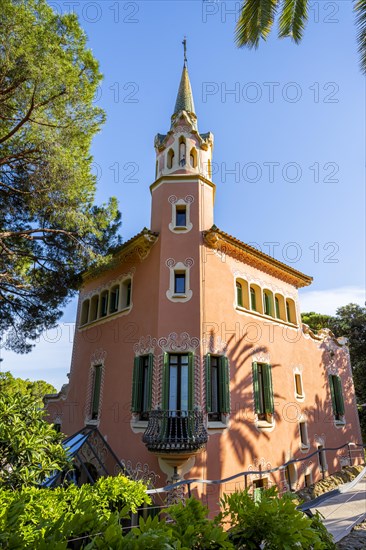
x=271 y=521
x=43 y=518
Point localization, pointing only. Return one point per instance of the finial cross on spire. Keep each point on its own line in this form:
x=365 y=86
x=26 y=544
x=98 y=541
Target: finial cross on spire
x=185 y=50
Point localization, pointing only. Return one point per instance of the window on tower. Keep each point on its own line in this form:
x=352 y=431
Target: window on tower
x=170 y=158
x=181 y=216
x=179 y=282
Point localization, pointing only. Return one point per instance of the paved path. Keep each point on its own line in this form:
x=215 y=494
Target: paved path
x=345 y=509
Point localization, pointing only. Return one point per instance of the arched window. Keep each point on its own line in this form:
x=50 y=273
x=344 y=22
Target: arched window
x=114 y=299
x=170 y=158
x=290 y=311
x=126 y=293
x=104 y=303
x=239 y=294
x=182 y=151
x=94 y=307
x=253 y=301
x=193 y=157
x=209 y=170
x=267 y=302
x=277 y=308
x=85 y=312
x=156 y=169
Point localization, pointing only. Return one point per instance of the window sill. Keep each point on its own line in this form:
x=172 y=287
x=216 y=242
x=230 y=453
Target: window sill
x=340 y=423
x=138 y=426
x=105 y=318
x=264 y=316
x=304 y=448
x=92 y=422
x=178 y=296
x=300 y=398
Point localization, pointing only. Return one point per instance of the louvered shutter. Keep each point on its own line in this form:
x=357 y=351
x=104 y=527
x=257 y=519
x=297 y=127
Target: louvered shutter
x=96 y=390
x=339 y=396
x=149 y=381
x=165 y=402
x=224 y=378
x=256 y=388
x=208 y=383
x=332 y=393
x=268 y=389
x=190 y=381
x=136 y=386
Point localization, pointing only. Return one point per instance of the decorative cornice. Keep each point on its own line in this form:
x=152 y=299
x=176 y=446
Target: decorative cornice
x=137 y=248
x=182 y=177
x=226 y=244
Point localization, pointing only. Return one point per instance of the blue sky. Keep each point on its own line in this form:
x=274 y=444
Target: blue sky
x=289 y=135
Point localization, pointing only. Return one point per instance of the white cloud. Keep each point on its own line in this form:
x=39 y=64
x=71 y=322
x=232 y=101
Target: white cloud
x=328 y=301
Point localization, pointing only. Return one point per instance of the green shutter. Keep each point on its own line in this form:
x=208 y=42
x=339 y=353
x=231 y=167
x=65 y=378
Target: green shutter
x=96 y=390
x=277 y=306
x=149 y=380
x=136 y=386
x=239 y=294
x=256 y=388
x=165 y=403
x=190 y=381
x=208 y=383
x=339 y=396
x=224 y=379
x=268 y=389
x=332 y=393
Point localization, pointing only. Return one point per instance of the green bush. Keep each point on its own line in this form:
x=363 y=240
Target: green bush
x=271 y=521
x=41 y=519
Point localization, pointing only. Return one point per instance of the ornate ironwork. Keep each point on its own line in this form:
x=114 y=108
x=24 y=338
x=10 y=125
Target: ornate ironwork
x=175 y=431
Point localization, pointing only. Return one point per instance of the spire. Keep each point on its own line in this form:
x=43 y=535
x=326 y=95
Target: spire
x=184 y=100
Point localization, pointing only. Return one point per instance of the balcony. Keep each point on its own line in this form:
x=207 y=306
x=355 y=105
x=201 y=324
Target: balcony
x=175 y=432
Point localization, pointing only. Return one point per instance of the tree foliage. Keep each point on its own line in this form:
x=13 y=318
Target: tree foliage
x=257 y=18
x=37 y=389
x=50 y=228
x=30 y=448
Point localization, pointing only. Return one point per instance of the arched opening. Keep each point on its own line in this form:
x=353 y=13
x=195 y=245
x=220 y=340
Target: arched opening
x=193 y=157
x=268 y=302
x=170 y=158
x=126 y=293
x=242 y=293
x=114 y=299
x=94 y=306
x=280 y=310
x=290 y=311
x=209 y=169
x=85 y=312
x=182 y=151
x=104 y=303
x=256 y=298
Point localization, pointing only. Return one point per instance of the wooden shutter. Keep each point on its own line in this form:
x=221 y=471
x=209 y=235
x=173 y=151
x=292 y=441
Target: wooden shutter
x=96 y=390
x=239 y=294
x=268 y=389
x=165 y=403
x=332 y=393
x=136 y=386
x=149 y=381
x=224 y=378
x=256 y=388
x=339 y=395
x=208 y=383
x=190 y=381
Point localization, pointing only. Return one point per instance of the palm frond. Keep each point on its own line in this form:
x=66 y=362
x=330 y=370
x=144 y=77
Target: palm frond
x=360 y=9
x=255 y=22
x=293 y=19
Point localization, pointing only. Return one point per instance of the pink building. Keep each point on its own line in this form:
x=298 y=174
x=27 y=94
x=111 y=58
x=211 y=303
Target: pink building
x=189 y=353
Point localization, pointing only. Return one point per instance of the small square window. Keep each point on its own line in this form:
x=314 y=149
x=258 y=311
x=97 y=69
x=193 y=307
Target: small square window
x=179 y=283
x=181 y=216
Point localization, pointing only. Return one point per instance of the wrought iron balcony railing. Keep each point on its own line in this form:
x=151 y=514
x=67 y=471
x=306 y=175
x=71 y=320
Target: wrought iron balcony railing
x=175 y=431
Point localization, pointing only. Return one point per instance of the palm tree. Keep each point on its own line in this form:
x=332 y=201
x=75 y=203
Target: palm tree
x=257 y=16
